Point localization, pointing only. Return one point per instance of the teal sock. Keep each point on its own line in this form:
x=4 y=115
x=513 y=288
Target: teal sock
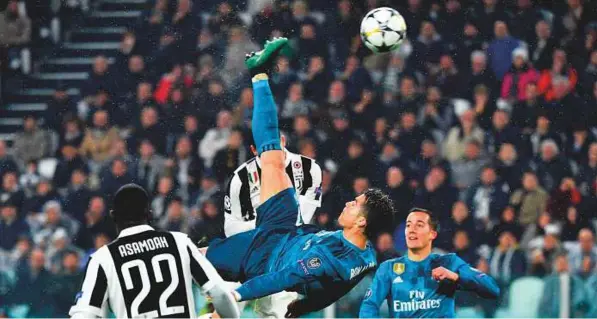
x=266 y=132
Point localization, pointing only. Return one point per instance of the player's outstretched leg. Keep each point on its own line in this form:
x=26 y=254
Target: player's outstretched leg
x=265 y=120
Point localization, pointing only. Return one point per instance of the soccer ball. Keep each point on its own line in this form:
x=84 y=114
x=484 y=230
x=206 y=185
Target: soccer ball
x=383 y=29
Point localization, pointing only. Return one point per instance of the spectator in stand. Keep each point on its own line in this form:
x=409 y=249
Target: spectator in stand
x=318 y=79
x=98 y=140
x=67 y=164
x=97 y=221
x=385 y=247
x=427 y=48
x=542 y=257
x=550 y=166
x=209 y=225
x=562 y=281
x=436 y=193
x=437 y=114
x=52 y=220
x=32 y=143
x=148 y=166
x=118 y=176
x=16 y=33
x=542 y=46
x=216 y=138
x=12 y=192
x=460 y=220
x=60 y=107
x=176 y=218
x=447 y=77
x=151 y=129
x=185 y=168
x=465 y=171
x=563 y=197
x=577 y=146
x=480 y=74
x=582 y=252
x=230 y=158
x=44 y=193
x=530 y=200
x=507 y=262
x=37 y=280
x=11 y=226
x=67 y=282
x=488 y=198
x=400 y=192
x=573 y=224
x=165 y=191
x=543 y=131
x=234 y=61
x=518 y=76
x=588 y=170
x=78 y=196
x=559 y=68
x=487 y=14
x=100 y=78
x=507 y=222
x=459 y=136
x=501 y=48
x=525 y=113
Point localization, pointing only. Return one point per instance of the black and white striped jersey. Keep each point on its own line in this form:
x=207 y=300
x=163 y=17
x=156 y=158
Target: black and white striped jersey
x=242 y=195
x=146 y=273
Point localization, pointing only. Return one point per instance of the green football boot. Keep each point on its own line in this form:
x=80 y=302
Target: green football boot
x=264 y=61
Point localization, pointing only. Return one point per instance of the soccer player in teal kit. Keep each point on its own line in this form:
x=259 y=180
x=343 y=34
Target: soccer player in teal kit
x=277 y=256
x=422 y=284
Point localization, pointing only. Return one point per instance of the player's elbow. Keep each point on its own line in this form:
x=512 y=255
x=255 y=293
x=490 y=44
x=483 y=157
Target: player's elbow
x=491 y=291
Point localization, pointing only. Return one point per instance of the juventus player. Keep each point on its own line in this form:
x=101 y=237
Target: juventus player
x=242 y=197
x=147 y=273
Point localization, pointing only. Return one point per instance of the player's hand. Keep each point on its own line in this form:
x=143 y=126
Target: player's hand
x=295 y=309
x=441 y=273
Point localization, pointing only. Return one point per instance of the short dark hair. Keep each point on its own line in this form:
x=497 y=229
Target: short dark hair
x=433 y=220
x=379 y=212
x=131 y=206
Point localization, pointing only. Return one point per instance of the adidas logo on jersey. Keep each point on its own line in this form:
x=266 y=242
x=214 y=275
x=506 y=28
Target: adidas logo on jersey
x=398 y=280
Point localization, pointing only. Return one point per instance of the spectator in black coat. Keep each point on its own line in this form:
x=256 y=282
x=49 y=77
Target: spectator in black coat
x=12 y=192
x=427 y=49
x=59 y=107
x=410 y=136
x=400 y=192
x=487 y=198
x=525 y=113
x=550 y=166
x=426 y=160
x=150 y=129
x=118 y=176
x=484 y=14
x=37 y=281
x=577 y=143
x=588 y=171
x=100 y=77
x=317 y=80
x=542 y=46
x=436 y=193
x=480 y=74
x=78 y=196
x=507 y=223
x=210 y=224
x=67 y=164
x=185 y=168
x=501 y=132
x=44 y=193
x=97 y=222
x=358 y=163
x=11 y=227
x=230 y=158
x=460 y=220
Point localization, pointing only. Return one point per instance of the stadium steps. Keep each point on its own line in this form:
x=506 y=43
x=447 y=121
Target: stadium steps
x=70 y=63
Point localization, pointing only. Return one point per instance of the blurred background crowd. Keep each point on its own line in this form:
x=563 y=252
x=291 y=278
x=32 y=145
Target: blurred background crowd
x=486 y=115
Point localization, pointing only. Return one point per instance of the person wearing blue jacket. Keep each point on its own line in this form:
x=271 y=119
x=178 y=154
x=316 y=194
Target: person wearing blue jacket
x=422 y=284
x=277 y=255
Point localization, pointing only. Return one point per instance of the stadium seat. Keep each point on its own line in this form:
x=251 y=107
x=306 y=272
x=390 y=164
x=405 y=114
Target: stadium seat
x=524 y=296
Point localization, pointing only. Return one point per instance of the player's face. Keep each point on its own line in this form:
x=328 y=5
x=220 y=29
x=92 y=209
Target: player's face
x=351 y=215
x=418 y=232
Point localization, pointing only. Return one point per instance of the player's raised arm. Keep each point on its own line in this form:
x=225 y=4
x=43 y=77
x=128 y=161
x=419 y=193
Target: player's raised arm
x=92 y=299
x=303 y=271
x=211 y=283
x=377 y=293
x=472 y=279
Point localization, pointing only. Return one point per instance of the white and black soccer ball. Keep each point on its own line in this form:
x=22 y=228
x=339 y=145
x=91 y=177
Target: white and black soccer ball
x=383 y=29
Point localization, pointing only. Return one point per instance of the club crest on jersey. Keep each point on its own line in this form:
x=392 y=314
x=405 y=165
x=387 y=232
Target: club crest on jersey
x=398 y=268
x=314 y=263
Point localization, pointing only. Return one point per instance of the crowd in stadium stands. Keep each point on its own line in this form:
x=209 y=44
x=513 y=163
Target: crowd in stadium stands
x=487 y=115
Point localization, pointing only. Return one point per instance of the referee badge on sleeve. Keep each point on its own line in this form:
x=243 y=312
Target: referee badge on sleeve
x=398 y=268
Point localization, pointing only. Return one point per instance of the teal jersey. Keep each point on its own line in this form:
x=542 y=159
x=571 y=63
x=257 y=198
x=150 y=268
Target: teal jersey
x=321 y=266
x=411 y=292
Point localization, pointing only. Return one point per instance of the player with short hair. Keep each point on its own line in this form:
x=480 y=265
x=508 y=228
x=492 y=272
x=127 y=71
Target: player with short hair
x=277 y=255
x=147 y=273
x=422 y=284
